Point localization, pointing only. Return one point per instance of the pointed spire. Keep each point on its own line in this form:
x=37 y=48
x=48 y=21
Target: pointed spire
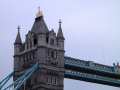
x=39 y=25
x=60 y=33
x=52 y=30
x=39 y=13
x=18 y=38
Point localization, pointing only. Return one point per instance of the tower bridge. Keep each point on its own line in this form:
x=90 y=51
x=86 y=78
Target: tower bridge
x=40 y=63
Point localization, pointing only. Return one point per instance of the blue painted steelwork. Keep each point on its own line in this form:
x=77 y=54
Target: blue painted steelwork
x=5 y=80
x=91 y=78
x=72 y=62
x=21 y=80
x=26 y=76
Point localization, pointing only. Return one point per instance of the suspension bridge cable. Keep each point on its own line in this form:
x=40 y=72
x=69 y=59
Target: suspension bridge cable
x=21 y=80
x=5 y=80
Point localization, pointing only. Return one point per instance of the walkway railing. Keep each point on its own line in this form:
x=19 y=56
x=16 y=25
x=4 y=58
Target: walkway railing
x=89 y=65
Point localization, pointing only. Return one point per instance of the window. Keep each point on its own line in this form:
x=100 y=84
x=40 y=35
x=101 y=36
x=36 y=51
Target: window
x=55 y=54
x=52 y=42
x=47 y=39
x=35 y=41
x=52 y=54
x=52 y=80
x=49 y=80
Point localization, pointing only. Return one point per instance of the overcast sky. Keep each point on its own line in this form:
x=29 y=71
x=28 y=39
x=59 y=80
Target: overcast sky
x=91 y=29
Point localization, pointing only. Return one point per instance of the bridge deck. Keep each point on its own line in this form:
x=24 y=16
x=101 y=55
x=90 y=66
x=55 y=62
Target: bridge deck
x=91 y=78
x=90 y=67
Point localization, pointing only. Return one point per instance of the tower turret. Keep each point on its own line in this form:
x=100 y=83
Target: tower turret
x=60 y=37
x=40 y=28
x=18 y=43
x=17 y=50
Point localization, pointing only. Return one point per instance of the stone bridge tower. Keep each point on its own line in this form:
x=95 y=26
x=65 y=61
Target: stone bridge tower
x=44 y=47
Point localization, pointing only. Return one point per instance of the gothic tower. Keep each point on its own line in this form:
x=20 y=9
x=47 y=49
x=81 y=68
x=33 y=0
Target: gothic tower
x=45 y=48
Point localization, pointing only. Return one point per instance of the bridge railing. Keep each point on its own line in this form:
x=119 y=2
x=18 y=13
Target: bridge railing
x=90 y=65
